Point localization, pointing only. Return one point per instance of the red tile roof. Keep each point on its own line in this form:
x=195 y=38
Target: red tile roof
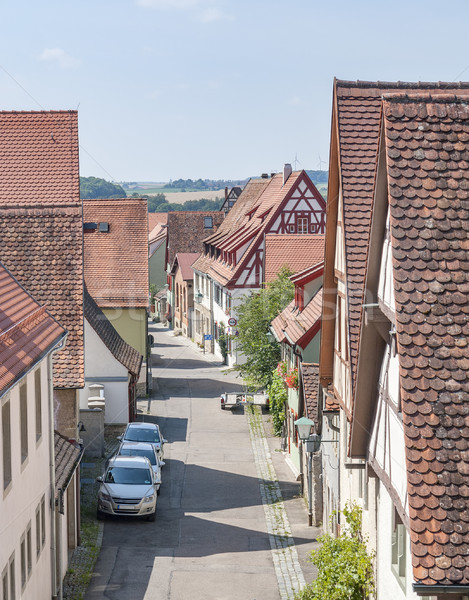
x=156 y=218
x=123 y=352
x=41 y=235
x=427 y=146
x=296 y=327
x=27 y=331
x=186 y=231
x=185 y=260
x=293 y=251
x=43 y=248
x=116 y=261
x=246 y=223
x=358 y=106
x=39 y=158
x=310 y=379
x=67 y=458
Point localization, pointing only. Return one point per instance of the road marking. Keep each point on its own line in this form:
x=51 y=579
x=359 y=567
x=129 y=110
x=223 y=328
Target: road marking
x=285 y=557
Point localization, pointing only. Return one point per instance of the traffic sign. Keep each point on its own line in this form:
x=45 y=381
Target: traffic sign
x=232 y=322
x=208 y=336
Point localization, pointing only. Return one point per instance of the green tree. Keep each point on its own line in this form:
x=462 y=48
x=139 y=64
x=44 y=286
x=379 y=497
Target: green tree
x=277 y=400
x=155 y=201
x=94 y=187
x=345 y=567
x=255 y=314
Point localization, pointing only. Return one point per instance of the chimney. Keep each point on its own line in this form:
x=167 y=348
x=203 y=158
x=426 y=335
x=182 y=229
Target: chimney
x=287 y=171
x=265 y=176
x=226 y=193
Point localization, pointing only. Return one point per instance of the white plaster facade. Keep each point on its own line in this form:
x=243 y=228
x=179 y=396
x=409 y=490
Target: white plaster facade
x=26 y=526
x=103 y=368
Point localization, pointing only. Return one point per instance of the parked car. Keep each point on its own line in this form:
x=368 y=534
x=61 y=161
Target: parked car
x=144 y=449
x=128 y=487
x=144 y=432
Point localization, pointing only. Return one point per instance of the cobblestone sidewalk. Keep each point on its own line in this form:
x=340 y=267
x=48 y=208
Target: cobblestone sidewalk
x=287 y=567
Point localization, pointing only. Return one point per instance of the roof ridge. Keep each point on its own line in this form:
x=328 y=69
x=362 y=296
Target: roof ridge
x=402 y=84
x=412 y=98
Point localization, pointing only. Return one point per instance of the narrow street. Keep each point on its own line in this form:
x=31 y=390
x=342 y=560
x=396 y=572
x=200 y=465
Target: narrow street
x=226 y=529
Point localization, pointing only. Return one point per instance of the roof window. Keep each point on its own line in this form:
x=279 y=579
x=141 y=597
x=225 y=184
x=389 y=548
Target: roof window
x=104 y=227
x=90 y=226
x=208 y=222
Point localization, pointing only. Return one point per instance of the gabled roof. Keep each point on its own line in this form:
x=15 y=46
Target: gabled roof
x=123 y=352
x=427 y=152
x=41 y=236
x=254 y=212
x=185 y=260
x=43 y=248
x=299 y=327
x=186 y=231
x=27 y=331
x=293 y=251
x=356 y=115
x=116 y=261
x=67 y=458
x=39 y=158
x=156 y=218
x=309 y=274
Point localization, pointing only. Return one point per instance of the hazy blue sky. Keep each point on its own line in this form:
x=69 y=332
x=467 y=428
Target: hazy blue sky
x=214 y=88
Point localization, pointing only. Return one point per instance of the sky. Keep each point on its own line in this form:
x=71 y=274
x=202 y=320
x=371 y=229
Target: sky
x=214 y=89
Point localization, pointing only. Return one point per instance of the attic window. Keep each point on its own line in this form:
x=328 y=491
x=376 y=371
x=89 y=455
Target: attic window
x=208 y=222
x=104 y=227
x=90 y=226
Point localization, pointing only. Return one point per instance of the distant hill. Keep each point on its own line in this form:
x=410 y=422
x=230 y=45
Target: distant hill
x=318 y=176
x=94 y=187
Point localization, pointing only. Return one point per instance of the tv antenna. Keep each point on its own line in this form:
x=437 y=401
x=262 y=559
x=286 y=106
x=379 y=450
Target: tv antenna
x=296 y=162
x=321 y=162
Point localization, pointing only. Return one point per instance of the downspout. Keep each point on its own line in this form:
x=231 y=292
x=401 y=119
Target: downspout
x=53 y=532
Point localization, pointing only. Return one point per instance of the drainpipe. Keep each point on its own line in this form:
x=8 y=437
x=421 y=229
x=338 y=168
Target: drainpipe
x=53 y=532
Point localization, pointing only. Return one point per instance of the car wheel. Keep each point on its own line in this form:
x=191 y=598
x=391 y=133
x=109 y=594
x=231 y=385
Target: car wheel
x=152 y=517
x=100 y=515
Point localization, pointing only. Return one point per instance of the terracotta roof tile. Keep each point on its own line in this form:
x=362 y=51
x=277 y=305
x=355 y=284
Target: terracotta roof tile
x=246 y=223
x=156 y=218
x=27 y=331
x=39 y=158
x=42 y=247
x=186 y=231
x=67 y=457
x=125 y=354
x=41 y=222
x=358 y=106
x=296 y=327
x=310 y=379
x=427 y=142
x=294 y=251
x=116 y=261
x=185 y=260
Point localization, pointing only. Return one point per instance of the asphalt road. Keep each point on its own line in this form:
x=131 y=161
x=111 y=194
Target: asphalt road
x=209 y=540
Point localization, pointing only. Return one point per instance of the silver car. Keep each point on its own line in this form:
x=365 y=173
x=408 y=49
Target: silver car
x=144 y=449
x=144 y=432
x=128 y=487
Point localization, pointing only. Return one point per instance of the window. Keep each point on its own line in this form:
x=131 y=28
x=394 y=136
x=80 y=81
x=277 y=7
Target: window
x=24 y=422
x=302 y=225
x=12 y=577
x=6 y=444
x=29 y=552
x=38 y=530
x=208 y=222
x=398 y=549
x=23 y=560
x=37 y=389
x=5 y=583
x=43 y=520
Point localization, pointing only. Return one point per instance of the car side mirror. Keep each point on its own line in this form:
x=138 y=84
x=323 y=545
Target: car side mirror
x=119 y=437
x=162 y=463
x=100 y=479
x=163 y=441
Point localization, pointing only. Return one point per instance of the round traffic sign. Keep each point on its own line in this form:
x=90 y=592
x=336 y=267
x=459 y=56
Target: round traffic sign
x=232 y=321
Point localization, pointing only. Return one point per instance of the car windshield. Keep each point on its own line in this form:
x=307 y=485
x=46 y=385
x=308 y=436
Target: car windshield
x=128 y=476
x=142 y=435
x=139 y=452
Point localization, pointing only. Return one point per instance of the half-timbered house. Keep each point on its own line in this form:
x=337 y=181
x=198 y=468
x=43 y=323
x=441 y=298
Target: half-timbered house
x=233 y=261
x=379 y=358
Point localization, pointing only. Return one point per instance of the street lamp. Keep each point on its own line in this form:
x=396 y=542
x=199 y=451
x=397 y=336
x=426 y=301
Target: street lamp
x=305 y=426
